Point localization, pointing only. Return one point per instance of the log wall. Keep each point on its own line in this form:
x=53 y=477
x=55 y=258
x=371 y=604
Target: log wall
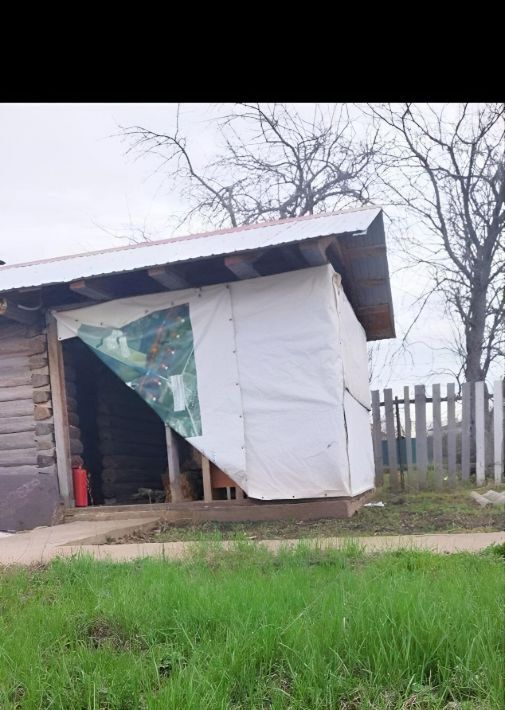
x=29 y=494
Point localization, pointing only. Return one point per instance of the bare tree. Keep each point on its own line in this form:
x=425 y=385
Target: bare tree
x=274 y=163
x=446 y=165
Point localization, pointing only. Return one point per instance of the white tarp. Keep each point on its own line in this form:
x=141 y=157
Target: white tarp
x=282 y=386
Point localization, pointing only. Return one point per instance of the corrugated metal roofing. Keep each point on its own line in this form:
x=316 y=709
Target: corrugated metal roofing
x=182 y=249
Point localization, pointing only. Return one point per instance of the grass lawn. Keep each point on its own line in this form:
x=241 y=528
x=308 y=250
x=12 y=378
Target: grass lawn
x=245 y=629
x=403 y=514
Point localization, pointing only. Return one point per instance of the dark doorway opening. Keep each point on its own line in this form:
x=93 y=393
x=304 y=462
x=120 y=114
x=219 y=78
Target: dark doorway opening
x=118 y=438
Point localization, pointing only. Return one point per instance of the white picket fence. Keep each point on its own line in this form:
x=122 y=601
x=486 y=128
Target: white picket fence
x=439 y=439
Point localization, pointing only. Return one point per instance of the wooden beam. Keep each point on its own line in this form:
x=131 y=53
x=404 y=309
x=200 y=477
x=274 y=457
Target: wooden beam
x=174 y=471
x=438 y=462
x=168 y=277
x=242 y=265
x=377 y=439
x=421 y=439
x=394 y=477
x=314 y=251
x=95 y=289
x=451 y=433
x=13 y=311
x=60 y=414
x=207 y=484
x=466 y=430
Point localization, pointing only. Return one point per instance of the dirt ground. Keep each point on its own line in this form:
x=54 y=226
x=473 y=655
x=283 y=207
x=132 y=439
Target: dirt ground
x=402 y=514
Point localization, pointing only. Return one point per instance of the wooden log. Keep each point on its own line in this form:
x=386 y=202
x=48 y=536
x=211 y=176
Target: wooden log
x=41 y=411
x=438 y=463
x=76 y=446
x=421 y=438
x=377 y=438
x=139 y=474
x=498 y=431
x=408 y=434
x=14 y=379
x=119 y=461
x=43 y=428
x=46 y=459
x=394 y=476
x=45 y=442
x=16 y=362
x=133 y=448
x=20 y=470
x=15 y=425
x=466 y=439
x=480 y=435
x=10 y=394
x=35 y=362
x=23 y=440
x=126 y=425
x=73 y=418
x=18 y=457
x=8 y=331
x=451 y=434
x=41 y=396
x=13 y=346
x=39 y=380
x=117 y=435
x=37 y=345
x=20 y=408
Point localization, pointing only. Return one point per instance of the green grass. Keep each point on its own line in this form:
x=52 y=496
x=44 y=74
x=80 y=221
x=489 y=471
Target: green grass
x=245 y=629
x=403 y=514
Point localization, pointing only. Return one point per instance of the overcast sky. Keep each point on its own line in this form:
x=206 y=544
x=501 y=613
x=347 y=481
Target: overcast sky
x=67 y=186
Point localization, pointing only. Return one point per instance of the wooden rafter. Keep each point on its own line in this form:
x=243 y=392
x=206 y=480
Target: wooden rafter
x=168 y=277
x=243 y=265
x=95 y=289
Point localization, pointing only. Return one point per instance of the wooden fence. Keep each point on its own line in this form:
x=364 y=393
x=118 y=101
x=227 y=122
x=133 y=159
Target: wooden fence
x=439 y=439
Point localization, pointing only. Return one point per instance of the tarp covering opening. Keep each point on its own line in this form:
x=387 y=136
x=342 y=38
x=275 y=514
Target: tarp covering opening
x=266 y=377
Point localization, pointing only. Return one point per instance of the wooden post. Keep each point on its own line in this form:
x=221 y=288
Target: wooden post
x=408 y=430
x=480 y=435
x=174 y=471
x=451 y=433
x=394 y=478
x=377 y=438
x=60 y=414
x=466 y=392
x=401 y=462
x=498 y=430
x=421 y=440
x=438 y=464
x=207 y=483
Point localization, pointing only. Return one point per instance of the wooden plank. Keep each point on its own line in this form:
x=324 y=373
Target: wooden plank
x=207 y=485
x=15 y=425
x=25 y=470
x=438 y=463
x=13 y=346
x=95 y=289
x=14 y=379
x=174 y=469
x=239 y=493
x=408 y=432
x=391 y=438
x=242 y=265
x=18 y=457
x=480 y=435
x=377 y=438
x=451 y=433
x=421 y=438
x=466 y=439
x=168 y=277
x=60 y=413
x=498 y=423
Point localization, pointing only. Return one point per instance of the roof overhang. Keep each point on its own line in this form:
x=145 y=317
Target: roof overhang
x=353 y=242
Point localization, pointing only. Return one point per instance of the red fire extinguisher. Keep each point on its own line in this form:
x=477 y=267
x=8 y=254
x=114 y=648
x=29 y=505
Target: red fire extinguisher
x=80 y=477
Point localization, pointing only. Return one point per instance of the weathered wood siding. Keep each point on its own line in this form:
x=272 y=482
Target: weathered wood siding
x=29 y=494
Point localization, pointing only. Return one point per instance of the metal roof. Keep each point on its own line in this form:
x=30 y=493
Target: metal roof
x=65 y=269
x=361 y=246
